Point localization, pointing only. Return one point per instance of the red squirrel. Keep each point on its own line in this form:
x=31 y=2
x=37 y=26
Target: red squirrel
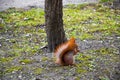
x=65 y=52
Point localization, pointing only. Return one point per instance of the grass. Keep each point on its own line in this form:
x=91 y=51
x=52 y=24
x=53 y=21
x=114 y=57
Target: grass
x=22 y=37
x=4 y=60
x=13 y=68
x=92 y=60
x=23 y=18
x=106 y=1
x=26 y=61
x=91 y=20
x=77 y=21
x=38 y=71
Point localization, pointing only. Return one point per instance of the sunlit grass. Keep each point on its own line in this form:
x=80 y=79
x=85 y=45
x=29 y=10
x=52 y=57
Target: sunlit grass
x=79 y=20
x=23 y=18
x=90 y=20
x=22 y=37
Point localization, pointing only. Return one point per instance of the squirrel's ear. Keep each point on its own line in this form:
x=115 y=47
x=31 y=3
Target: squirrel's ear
x=72 y=39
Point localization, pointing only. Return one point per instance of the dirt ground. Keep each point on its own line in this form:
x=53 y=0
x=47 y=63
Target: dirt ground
x=102 y=65
x=98 y=59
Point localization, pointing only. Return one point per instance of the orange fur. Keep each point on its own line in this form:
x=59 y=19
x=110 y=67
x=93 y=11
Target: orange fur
x=65 y=52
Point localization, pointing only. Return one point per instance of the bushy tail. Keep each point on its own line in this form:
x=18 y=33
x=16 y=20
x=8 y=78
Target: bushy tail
x=70 y=45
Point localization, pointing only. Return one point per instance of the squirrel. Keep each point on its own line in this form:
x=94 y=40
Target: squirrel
x=65 y=52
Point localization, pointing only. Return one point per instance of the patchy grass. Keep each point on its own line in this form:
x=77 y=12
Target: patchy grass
x=26 y=61
x=38 y=71
x=106 y=1
x=13 y=68
x=22 y=36
x=86 y=63
x=23 y=18
x=44 y=58
x=80 y=21
x=100 y=60
x=4 y=60
x=85 y=22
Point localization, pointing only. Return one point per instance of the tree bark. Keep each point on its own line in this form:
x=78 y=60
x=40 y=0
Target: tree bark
x=116 y=4
x=54 y=23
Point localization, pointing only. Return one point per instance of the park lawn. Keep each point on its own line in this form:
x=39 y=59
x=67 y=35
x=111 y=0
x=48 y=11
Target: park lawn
x=22 y=37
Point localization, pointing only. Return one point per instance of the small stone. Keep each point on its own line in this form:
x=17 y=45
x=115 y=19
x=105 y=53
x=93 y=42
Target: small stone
x=26 y=18
x=27 y=35
x=118 y=37
x=22 y=63
x=0 y=45
x=20 y=76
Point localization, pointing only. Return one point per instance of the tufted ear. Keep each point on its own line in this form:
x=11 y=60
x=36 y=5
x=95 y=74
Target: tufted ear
x=72 y=39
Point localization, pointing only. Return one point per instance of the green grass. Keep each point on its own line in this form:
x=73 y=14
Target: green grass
x=38 y=71
x=5 y=60
x=77 y=21
x=81 y=21
x=106 y=1
x=26 y=61
x=22 y=37
x=23 y=18
x=13 y=68
x=87 y=61
x=85 y=22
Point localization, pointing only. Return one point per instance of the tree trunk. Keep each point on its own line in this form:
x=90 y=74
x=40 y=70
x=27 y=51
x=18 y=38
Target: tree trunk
x=116 y=4
x=54 y=23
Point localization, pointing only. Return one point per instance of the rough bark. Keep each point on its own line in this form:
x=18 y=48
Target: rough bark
x=54 y=23
x=116 y=4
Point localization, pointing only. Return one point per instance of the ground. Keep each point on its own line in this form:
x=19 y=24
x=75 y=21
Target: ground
x=23 y=55
x=26 y=4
